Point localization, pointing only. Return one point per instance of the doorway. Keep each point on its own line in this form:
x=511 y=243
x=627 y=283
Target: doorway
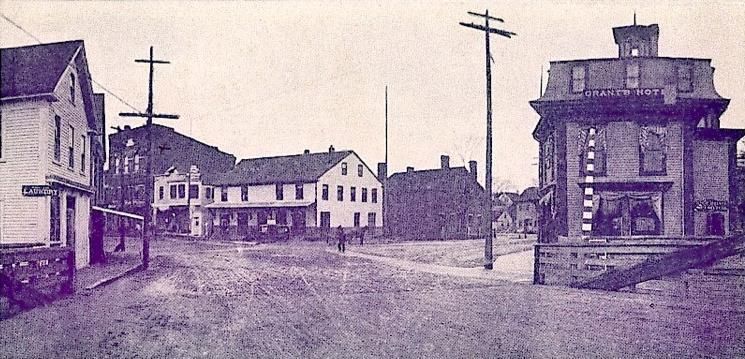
x=70 y=221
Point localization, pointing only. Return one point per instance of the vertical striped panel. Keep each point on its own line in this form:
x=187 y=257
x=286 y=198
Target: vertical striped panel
x=589 y=179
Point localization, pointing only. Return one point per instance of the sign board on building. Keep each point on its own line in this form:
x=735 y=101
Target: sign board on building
x=624 y=93
x=710 y=205
x=38 y=191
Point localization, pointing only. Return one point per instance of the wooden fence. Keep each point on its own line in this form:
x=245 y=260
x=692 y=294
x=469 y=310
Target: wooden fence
x=31 y=277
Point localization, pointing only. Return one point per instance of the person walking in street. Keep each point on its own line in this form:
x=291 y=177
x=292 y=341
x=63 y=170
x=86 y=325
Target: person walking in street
x=342 y=239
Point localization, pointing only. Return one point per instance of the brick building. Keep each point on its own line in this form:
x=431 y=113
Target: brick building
x=631 y=150
x=441 y=203
x=125 y=179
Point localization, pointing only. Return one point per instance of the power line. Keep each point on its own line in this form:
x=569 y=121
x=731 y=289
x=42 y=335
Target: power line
x=92 y=80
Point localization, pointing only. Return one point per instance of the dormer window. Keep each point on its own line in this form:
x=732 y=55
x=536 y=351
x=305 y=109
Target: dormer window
x=685 y=78
x=72 y=88
x=578 y=78
x=632 y=75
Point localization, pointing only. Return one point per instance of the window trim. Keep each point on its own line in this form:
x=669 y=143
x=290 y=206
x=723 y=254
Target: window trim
x=344 y=169
x=279 y=192
x=71 y=150
x=584 y=80
x=360 y=170
x=642 y=170
x=340 y=193
x=299 y=191
x=679 y=79
x=638 y=74
x=325 y=192
x=58 y=139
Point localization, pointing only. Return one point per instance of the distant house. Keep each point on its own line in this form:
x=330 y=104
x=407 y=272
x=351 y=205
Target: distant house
x=306 y=192
x=526 y=216
x=48 y=154
x=179 y=201
x=436 y=203
x=503 y=219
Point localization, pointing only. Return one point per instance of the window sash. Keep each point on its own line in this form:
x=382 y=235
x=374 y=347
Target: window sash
x=579 y=77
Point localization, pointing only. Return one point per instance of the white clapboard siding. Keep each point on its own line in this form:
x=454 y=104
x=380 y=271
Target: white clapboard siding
x=19 y=166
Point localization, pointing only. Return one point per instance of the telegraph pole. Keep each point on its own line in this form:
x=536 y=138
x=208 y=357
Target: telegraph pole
x=385 y=178
x=488 y=257
x=149 y=115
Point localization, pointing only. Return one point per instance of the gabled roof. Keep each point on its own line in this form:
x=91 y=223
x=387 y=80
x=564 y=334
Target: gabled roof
x=440 y=179
x=34 y=70
x=513 y=196
x=530 y=194
x=303 y=168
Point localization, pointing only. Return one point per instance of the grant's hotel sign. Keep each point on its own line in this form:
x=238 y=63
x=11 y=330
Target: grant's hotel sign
x=649 y=128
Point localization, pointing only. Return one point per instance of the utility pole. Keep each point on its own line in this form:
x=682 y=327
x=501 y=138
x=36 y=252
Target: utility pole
x=488 y=258
x=385 y=177
x=149 y=115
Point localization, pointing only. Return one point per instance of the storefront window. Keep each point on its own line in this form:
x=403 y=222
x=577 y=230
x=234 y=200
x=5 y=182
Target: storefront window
x=627 y=213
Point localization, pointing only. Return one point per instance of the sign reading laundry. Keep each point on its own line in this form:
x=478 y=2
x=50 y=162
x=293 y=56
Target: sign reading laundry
x=38 y=191
x=615 y=93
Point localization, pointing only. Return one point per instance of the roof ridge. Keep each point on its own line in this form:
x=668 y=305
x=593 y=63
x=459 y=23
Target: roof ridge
x=292 y=155
x=43 y=44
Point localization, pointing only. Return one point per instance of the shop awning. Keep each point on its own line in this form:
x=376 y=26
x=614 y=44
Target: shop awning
x=118 y=213
x=229 y=205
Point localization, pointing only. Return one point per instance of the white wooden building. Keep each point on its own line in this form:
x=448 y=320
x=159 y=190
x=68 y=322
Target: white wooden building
x=46 y=120
x=306 y=192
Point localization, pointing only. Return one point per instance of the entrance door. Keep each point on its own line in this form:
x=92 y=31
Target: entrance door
x=261 y=217
x=71 y=221
x=242 y=223
x=298 y=220
x=326 y=220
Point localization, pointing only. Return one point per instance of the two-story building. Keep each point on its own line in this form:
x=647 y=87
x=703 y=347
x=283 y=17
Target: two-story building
x=47 y=121
x=125 y=179
x=631 y=151
x=306 y=192
x=443 y=203
x=526 y=216
x=179 y=202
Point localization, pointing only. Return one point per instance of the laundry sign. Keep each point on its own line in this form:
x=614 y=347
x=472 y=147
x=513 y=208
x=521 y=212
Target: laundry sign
x=38 y=190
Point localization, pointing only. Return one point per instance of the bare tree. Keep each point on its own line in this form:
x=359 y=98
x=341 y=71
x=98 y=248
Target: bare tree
x=466 y=150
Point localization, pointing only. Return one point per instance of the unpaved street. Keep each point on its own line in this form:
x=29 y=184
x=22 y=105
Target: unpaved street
x=305 y=301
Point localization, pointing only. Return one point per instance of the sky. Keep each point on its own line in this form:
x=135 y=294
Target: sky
x=272 y=78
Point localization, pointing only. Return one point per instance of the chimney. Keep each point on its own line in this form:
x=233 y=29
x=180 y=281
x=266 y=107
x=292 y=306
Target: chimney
x=409 y=169
x=331 y=149
x=382 y=171
x=306 y=152
x=444 y=161
x=472 y=169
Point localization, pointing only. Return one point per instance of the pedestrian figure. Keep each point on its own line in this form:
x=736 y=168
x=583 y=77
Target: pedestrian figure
x=342 y=240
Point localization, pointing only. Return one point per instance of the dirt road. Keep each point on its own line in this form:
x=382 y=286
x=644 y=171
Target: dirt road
x=206 y=301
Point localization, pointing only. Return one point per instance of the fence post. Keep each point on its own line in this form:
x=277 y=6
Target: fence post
x=69 y=286
x=536 y=264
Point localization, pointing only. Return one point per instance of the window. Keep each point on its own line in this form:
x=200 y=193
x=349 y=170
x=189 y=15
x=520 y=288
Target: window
x=244 y=193
x=325 y=192
x=652 y=151
x=360 y=170
x=72 y=88
x=685 y=78
x=58 y=139
x=600 y=157
x=279 y=191
x=353 y=194
x=71 y=149
x=126 y=164
x=374 y=195
x=224 y=194
x=54 y=219
x=356 y=219
x=578 y=79
x=194 y=191
x=161 y=192
x=548 y=160
x=299 y=191
x=635 y=51
x=173 y=191
x=137 y=164
x=82 y=154
x=632 y=75
x=625 y=214
x=182 y=191
x=116 y=165
x=208 y=193
x=364 y=194
x=343 y=168
x=340 y=193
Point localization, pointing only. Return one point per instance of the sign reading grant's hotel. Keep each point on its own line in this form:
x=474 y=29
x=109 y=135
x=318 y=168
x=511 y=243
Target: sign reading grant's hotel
x=624 y=93
x=38 y=191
